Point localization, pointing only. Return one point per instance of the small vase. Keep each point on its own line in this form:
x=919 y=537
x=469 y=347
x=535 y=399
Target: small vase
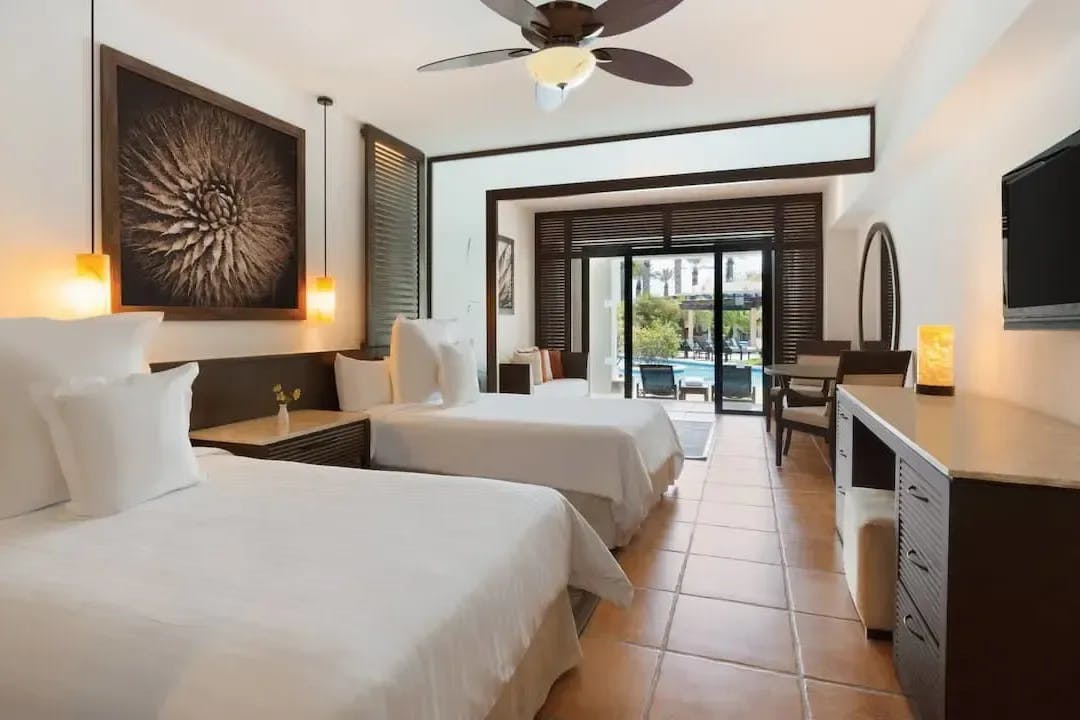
x=283 y=419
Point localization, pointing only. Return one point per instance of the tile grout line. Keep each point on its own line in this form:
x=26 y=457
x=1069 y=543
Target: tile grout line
x=800 y=666
x=671 y=614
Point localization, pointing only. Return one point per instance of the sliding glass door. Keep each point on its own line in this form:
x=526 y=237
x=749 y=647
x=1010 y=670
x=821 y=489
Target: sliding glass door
x=744 y=330
x=691 y=329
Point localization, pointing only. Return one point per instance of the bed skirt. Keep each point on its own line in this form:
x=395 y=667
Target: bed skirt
x=553 y=651
x=598 y=511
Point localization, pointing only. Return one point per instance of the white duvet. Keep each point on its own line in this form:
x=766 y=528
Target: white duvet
x=604 y=447
x=277 y=590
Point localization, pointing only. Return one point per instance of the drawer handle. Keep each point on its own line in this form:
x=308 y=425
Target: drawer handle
x=907 y=623
x=912 y=556
x=913 y=491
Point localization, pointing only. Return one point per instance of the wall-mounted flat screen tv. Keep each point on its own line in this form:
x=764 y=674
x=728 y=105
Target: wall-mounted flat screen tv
x=1040 y=208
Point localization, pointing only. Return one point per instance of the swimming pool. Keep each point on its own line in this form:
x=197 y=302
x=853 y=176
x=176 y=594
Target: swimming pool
x=698 y=369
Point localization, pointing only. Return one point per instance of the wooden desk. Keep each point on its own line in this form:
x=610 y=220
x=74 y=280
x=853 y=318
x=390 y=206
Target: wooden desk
x=988 y=532
x=318 y=437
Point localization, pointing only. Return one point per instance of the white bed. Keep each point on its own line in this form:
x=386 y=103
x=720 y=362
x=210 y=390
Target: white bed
x=612 y=458
x=277 y=590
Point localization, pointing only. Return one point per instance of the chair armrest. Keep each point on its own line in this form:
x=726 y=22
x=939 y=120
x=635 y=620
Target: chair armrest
x=515 y=378
x=575 y=364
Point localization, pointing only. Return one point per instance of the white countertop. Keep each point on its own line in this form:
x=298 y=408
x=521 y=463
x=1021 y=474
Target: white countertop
x=968 y=436
x=264 y=430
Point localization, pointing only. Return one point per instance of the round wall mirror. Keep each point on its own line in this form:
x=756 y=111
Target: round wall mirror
x=879 y=292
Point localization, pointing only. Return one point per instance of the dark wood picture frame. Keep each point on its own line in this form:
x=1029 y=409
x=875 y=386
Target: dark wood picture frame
x=112 y=63
x=504 y=267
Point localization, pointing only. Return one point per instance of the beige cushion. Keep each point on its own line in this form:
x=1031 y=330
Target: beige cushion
x=817 y=415
x=870 y=554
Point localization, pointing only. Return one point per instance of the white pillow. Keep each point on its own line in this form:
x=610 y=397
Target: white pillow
x=458 y=378
x=414 y=358
x=122 y=442
x=361 y=384
x=37 y=350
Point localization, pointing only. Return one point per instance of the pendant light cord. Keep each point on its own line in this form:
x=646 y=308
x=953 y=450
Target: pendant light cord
x=326 y=191
x=93 y=132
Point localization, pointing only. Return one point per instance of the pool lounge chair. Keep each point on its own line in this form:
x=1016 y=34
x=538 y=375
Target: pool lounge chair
x=657 y=381
x=738 y=383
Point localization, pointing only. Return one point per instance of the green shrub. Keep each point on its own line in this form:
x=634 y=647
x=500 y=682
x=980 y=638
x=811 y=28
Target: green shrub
x=656 y=340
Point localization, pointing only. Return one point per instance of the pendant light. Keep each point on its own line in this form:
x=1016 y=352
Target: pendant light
x=90 y=291
x=322 y=300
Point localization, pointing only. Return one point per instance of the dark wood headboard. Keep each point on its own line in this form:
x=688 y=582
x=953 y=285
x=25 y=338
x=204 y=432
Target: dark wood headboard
x=232 y=389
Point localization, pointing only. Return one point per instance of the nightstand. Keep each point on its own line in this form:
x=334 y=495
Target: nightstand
x=318 y=437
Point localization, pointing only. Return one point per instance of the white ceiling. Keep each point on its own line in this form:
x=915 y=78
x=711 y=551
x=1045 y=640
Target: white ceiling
x=749 y=58
x=690 y=193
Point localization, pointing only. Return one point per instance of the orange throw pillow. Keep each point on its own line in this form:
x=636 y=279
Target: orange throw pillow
x=557 y=372
x=545 y=361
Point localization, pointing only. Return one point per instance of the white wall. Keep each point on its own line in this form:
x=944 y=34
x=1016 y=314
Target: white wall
x=943 y=204
x=517 y=330
x=45 y=174
x=841 y=296
x=459 y=187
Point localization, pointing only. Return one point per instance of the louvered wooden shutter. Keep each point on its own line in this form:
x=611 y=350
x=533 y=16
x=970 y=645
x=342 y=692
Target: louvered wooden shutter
x=395 y=251
x=742 y=221
x=799 y=276
x=552 y=283
x=790 y=225
x=888 y=304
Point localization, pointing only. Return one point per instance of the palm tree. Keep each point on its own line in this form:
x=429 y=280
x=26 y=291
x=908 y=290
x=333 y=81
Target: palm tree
x=694 y=262
x=665 y=277
x=678 y=276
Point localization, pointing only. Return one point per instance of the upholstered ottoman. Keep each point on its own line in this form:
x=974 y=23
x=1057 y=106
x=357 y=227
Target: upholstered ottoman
x=870 y=556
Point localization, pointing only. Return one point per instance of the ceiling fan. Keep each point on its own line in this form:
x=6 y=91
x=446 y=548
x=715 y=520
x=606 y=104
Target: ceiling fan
x=563 y=34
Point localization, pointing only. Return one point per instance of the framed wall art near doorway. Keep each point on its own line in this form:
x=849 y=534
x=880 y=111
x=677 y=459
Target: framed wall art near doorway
x=505 y=272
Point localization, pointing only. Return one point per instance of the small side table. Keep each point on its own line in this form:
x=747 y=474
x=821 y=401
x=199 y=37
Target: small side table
x=317 y=437
x=702 y=390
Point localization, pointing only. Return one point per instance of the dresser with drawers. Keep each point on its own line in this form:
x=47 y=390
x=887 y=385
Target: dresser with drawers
x=988 y=538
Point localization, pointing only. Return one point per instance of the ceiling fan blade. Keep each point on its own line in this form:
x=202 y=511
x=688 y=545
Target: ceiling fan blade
x=550 y=98
x=641 y=67
x=519 y=12
x=535 y=39
x=620 y=16
x=475 y=59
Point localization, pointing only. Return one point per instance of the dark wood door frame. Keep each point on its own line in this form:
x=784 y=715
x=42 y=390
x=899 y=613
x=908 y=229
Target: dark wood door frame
x=493 y=197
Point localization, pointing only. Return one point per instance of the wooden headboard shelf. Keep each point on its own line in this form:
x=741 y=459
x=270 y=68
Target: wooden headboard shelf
x=232 y=389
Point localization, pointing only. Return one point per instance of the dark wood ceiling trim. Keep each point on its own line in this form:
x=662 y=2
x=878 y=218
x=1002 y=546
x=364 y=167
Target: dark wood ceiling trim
x=757 y=122
x=717 y=177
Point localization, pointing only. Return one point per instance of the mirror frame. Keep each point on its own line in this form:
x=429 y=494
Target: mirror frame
x=887 y=238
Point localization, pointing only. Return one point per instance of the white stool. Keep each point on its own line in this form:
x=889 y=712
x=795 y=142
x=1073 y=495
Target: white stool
x=870 y=556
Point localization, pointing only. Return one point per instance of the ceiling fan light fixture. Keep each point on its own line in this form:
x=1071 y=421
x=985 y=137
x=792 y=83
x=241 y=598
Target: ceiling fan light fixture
x=564 y=66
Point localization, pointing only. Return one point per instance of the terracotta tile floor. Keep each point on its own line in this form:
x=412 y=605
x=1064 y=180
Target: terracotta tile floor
x=741 y=611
